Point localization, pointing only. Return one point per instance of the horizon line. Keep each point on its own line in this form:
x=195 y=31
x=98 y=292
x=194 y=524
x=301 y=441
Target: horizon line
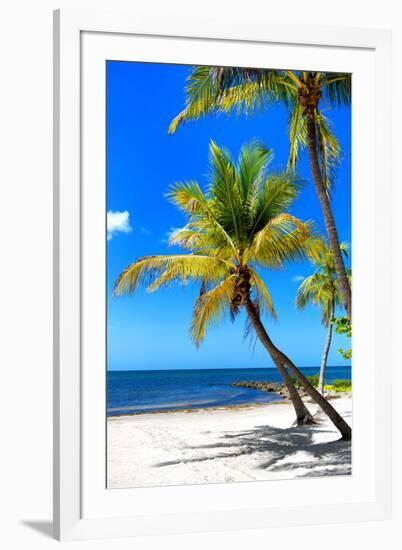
x=223 y=368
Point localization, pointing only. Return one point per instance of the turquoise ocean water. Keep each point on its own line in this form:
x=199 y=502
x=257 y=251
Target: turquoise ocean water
x=131 y=392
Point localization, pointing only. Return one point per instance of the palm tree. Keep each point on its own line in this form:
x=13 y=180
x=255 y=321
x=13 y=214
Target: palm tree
x=322 y=289
x=304 y=93
x=240 y=223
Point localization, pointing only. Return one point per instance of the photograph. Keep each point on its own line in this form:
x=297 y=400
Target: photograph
x=203 y=196
x=228 y=234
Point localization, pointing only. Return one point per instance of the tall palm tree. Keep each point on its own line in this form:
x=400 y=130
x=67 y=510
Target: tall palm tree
x=322 y=289
x=304 y=93
x=240 y=223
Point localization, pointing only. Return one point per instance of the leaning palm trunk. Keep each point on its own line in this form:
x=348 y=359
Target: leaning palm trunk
x=280 y=358
x=303 y=415
x=325 y=355
x=327 y=212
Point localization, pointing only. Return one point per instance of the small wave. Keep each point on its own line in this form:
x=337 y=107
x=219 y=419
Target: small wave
x=158 y=406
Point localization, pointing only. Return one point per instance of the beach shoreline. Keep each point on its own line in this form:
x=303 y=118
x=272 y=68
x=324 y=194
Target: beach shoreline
x=235 y=443
x=279 y=401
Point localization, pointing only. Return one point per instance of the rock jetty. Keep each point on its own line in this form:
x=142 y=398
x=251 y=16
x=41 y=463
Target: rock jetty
x=273 y=387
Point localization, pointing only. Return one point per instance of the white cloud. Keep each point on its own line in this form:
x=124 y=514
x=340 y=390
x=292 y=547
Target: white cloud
x=297 y=278
x=117 y=222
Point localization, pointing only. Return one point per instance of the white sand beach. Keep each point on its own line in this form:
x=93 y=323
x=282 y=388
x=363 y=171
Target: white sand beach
x=213 y=446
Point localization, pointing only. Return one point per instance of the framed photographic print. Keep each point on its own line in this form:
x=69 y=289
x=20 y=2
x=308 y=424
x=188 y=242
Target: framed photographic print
x=222 y=200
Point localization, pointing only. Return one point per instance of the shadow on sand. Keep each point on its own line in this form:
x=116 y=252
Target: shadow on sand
x=275 y=449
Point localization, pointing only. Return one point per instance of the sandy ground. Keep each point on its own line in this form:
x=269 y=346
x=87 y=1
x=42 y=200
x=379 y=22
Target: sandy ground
x=223 y=445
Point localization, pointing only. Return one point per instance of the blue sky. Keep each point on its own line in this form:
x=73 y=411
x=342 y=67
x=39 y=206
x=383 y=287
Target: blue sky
x=151 y=331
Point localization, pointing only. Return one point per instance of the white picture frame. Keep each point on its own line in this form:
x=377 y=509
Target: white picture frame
x=83 y=507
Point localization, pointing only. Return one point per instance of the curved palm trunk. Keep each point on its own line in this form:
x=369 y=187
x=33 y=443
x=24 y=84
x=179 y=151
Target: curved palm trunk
x=303 y=415
x=280 y=358
x=327 y=212
x=325 y=355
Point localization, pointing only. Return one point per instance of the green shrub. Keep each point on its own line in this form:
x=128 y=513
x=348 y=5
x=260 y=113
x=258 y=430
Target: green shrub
x=343 y=326
x=295 y=381
x=314 y=379
x=342 y=385
x=338 y=383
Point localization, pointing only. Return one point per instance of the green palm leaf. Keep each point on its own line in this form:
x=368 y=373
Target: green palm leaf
x=224 y=89
x=200 y=92
x=210 y=306
x=263 y=296
x=297 y=135
x=321 y=287
x=153 y=271
x=329 y=150
x=239 y=223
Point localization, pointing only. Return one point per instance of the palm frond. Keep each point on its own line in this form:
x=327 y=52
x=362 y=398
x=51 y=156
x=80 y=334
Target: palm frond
x=329 y=150
x=293 y=77
x=277 y=195
x=309 y=289
x=210 y=306
x=297 y=130
x=263 y=296
x=189 y=238
x=320 y=254
x=202 y=238
x=253 y=161
x=154 y=271
x=244 y=98
x=321 y=287
x=224 y=191
x=189 y=197
x=224 y=89
x=337 y=88
x=282 y=239
x=321 y=291
x=200 y=96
